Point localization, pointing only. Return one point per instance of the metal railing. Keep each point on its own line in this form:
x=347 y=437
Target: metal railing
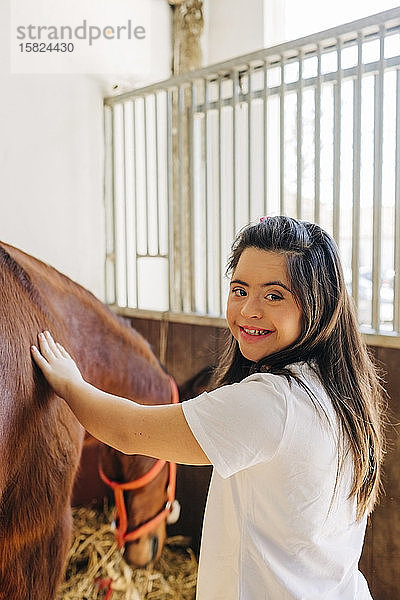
x=309 y=128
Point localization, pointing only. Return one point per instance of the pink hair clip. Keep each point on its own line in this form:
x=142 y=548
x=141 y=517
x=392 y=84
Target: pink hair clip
x=264 y=219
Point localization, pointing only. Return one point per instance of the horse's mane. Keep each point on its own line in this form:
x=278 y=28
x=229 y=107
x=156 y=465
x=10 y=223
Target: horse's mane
x=19 y=323
x=24 y=279
x=20 y=276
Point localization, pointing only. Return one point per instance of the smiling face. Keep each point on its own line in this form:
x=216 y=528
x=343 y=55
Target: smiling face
x=262 y=313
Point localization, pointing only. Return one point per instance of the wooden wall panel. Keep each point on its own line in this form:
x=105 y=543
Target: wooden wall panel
x=191 y=347
x=381 y=556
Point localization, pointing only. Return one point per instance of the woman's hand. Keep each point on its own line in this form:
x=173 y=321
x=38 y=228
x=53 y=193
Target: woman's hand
x=121 y=423
x=57 y=365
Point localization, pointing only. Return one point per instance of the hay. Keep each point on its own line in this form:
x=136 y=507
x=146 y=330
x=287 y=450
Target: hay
x=94 y=556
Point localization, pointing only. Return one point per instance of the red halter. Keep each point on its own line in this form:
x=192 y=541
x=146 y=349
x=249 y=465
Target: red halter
x=121 y=531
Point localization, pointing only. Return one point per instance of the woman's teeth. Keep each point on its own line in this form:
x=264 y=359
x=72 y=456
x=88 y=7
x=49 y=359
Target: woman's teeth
x=256 y=331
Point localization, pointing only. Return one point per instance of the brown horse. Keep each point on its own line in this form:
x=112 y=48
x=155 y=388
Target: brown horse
x=40 y=439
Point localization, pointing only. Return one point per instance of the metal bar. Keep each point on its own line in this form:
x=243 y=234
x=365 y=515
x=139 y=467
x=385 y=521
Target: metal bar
x=330 y=77
x=119 y=228
x=109 y=267
x=170 y=317
x=282 y=139
x=193 y=102
x=249 y=157
x=181 y=202
x=377 y=209
x=188 y=199
x=265 y=140
x=145 y=177
x=348 y=32
x=130 y=223
x=396 y=282
x=170 y=201
x=218 y=216
x=115 y=219
x=126 y=226
x=185 y=205
x=140 y=255
x=317 y=143
x=125 y=208
x=235 y=84
x=205 y=154
x=299 y=136
x=135 y=180
x=157 y=171
x=337 y=141
x=355 y=250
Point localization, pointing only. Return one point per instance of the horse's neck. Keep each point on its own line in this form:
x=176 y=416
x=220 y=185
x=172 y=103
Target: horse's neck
x=111 y=355
x=114 y=356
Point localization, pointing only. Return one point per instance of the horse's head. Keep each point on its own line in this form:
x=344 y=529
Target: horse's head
x=144 y=493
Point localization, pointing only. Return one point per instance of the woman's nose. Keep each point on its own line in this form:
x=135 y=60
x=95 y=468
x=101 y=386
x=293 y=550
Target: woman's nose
x=251 y=309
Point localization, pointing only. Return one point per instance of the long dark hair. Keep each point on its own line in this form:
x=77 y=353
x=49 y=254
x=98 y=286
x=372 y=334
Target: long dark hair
x=329 y=340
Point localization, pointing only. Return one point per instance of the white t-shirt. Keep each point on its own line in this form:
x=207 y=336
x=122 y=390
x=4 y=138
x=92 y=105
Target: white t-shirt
x=273 y=527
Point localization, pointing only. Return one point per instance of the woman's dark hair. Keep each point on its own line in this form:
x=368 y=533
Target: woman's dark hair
x=329 y=340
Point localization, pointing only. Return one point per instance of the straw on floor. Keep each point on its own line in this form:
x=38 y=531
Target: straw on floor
x=94 y=559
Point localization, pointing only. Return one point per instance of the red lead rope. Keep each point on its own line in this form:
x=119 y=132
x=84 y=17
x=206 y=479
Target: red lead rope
x=105 y=584
x=121 y=531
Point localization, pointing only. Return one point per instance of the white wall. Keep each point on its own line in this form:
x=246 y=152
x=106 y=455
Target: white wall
x=51 y=157
x=236 y=27
x=232 y=28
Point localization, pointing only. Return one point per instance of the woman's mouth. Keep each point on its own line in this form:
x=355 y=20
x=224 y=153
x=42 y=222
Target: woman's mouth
x=255 y=332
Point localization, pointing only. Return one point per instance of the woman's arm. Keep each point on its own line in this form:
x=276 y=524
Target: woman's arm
x=159 y=431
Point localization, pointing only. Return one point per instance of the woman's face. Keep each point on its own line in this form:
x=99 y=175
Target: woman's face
x=262 y=312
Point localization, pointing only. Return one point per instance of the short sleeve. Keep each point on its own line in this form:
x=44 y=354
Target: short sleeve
x=241 y=425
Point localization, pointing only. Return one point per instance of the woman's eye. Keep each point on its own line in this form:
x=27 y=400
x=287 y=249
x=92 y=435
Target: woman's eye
x=238 y=292
x=274 y=297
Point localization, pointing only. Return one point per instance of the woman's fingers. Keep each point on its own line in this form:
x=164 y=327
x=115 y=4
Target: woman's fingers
x=44 y=346
x=58 y=367
x=48 y=346
x=39 y=359
x=62 y=350
x=52 y=344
